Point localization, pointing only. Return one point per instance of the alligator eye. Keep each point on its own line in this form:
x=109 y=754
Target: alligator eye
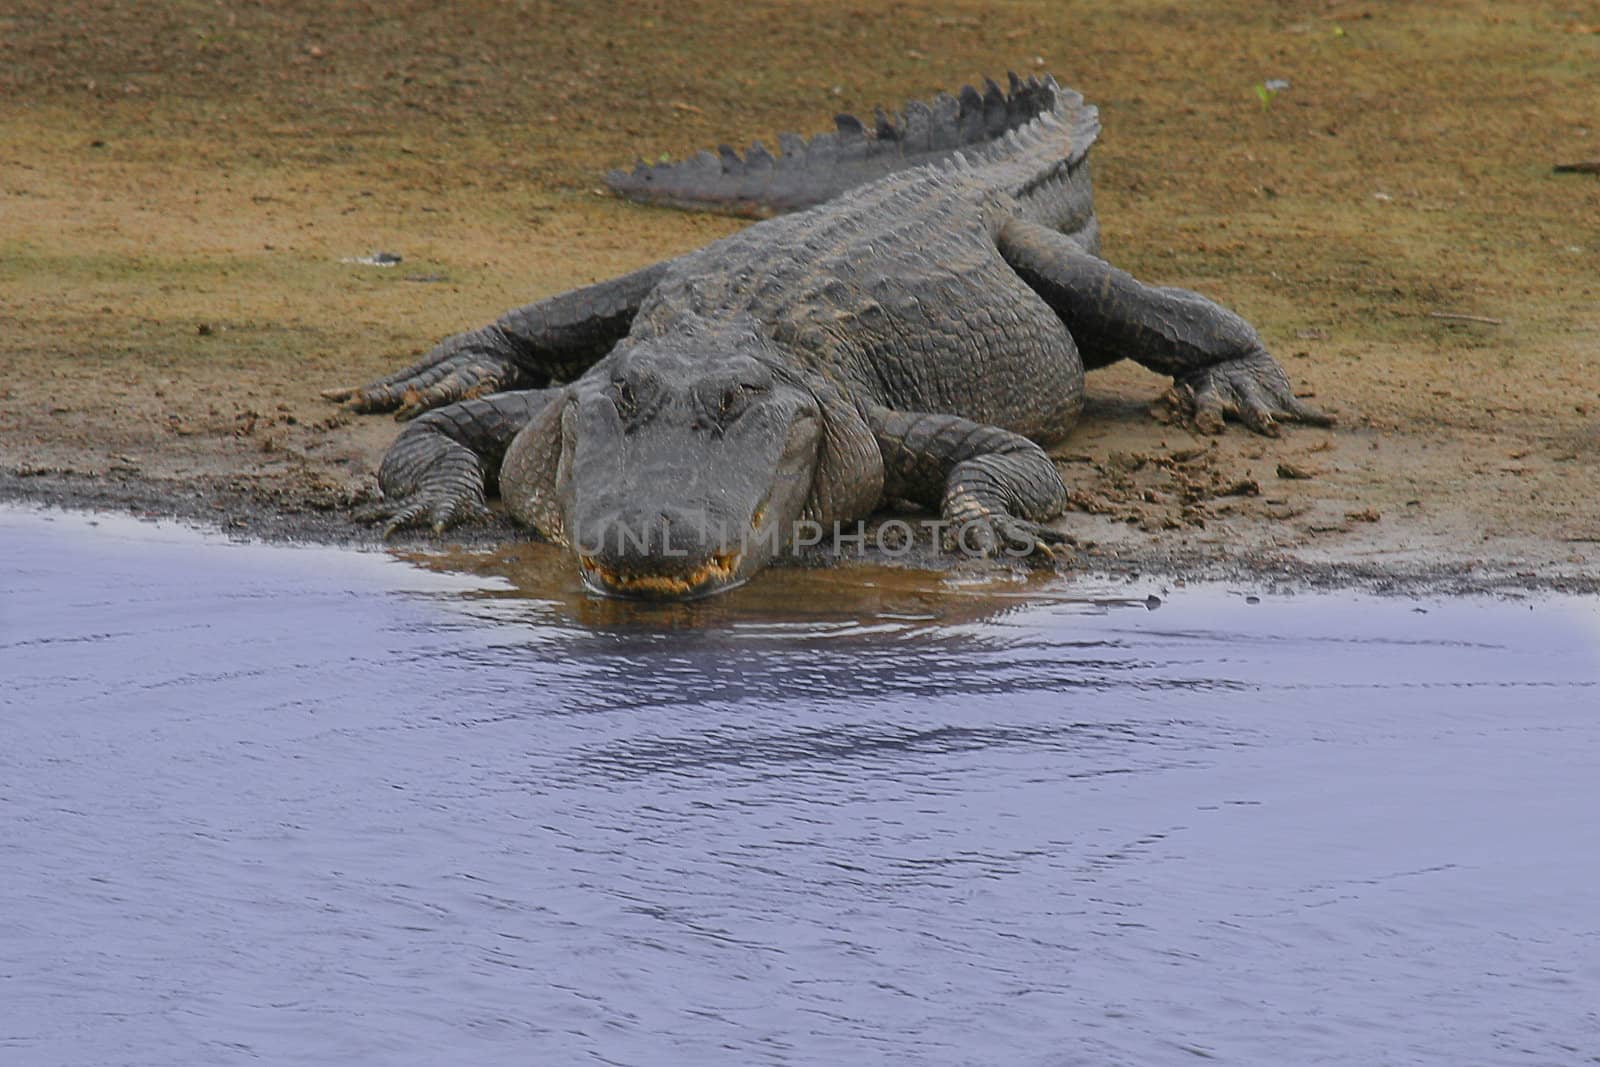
x=735 y=398
x=623 y=396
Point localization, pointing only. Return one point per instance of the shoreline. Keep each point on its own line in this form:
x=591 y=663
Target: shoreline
x=258 y=515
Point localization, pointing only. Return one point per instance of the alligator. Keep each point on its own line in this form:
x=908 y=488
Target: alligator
x=912 y=323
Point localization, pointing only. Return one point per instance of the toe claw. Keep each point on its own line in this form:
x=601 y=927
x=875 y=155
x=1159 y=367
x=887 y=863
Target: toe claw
x=373 y=512
x=412 y=403
x=406 y=516
x=446 y=514
x=1258 y=420
x=1305 y=413
x=438 y=513
x=1251 y=388
x=1034 y=541
x=1053 y=536
x=999 y=534
x=367 y=400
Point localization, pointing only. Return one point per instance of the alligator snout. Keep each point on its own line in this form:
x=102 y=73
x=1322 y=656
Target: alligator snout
x=719 y=573
x=670 y=553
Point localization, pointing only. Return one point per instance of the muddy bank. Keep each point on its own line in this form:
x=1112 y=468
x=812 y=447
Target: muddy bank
x=269 y=512
x=185 y=198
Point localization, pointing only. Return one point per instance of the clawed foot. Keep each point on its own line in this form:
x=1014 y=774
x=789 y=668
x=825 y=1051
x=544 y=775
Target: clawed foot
x=459 y=368
x=1252 y=388
x=1000 y=534
x=437 y=510
x=428 y=480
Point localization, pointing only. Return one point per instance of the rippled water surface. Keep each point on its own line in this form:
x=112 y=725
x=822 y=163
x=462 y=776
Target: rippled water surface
x=299 y=806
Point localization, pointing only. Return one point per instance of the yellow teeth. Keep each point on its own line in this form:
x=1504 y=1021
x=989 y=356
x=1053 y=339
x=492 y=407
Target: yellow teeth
x=720 y=569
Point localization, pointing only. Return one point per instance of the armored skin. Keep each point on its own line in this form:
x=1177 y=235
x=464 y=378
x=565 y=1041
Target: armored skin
x=913 y=323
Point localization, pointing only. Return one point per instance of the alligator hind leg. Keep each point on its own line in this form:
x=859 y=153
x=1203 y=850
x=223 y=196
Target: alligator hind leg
x=552 y=339
x=439 y=470
x=1210 y=352
x=994 y=488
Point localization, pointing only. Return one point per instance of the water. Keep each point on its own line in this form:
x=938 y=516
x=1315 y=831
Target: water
x=299 y=806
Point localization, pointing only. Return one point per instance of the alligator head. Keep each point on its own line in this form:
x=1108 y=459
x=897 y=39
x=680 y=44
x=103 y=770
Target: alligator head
x=678 y=466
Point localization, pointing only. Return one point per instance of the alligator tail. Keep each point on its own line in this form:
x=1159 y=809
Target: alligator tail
x=805 y=173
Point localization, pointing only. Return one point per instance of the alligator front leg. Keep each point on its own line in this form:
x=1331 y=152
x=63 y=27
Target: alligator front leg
x=994 y=488
x=1212 y=353
x=553 y=339
x=466 y=365
x=440 y=468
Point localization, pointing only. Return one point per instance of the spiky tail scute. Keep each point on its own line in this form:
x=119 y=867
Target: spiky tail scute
x=805 y=173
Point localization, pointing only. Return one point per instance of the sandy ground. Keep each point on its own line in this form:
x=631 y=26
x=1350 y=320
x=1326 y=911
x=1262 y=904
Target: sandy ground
x=183 y=188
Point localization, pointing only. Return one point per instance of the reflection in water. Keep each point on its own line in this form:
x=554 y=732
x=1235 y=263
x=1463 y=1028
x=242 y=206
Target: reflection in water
x=853 y=633
x=305 y=806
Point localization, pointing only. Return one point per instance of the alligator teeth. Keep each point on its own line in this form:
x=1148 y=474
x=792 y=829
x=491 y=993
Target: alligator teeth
x=717 y=573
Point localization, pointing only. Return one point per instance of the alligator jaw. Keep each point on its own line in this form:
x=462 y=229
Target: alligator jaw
x=718 y=574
